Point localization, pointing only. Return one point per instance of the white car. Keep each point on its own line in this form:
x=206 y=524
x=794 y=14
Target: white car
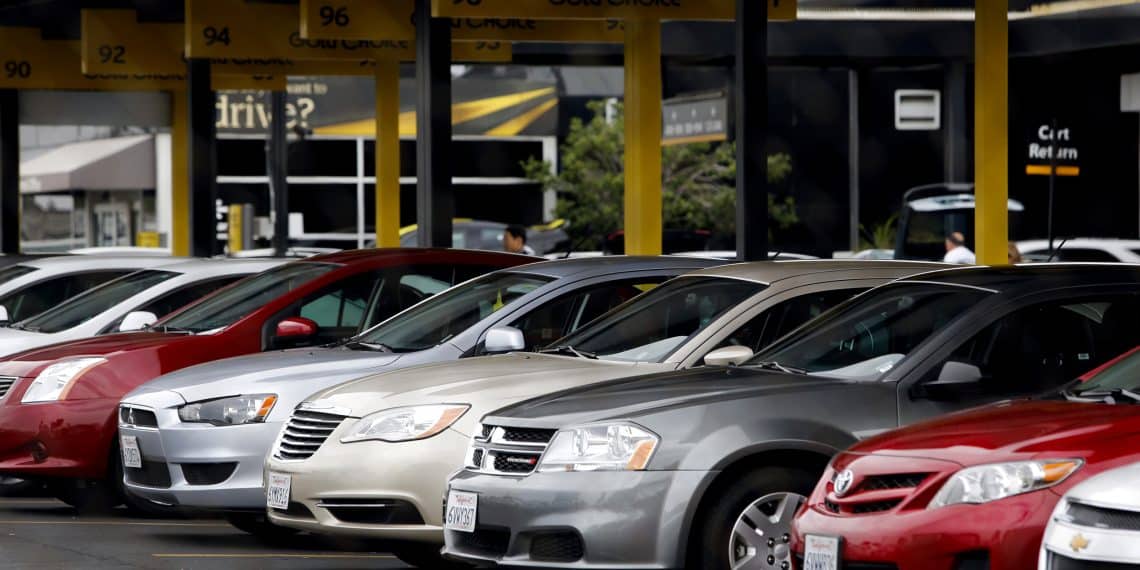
x=1096 y=524
x=131 y=302
x=31 y=287
x=1107 y=250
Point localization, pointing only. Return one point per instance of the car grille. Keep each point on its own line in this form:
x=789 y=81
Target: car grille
x=373 y=511
x=885 y=482
x=137 y=417
x=296 y=510
x=489 y=541
x=508 y=450
x=304 y=434
x=556 y=547
x=1059 y=562
x=1100 y=517
x=207 y=473
x=6 y=383
x=896 y=485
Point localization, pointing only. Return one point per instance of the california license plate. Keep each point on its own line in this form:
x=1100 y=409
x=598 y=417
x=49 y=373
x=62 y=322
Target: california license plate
x=461 y=509
x=277 y=493
x=821 y=552
x=132 y=457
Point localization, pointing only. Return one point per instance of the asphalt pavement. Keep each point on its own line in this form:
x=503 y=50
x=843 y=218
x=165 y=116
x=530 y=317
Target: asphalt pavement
x=43 y=533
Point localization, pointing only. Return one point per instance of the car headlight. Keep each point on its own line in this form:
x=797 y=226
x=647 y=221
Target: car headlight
x=604 y=447
x=405 y=424
x=229 y=411
x=985 y=483
x=57 y=379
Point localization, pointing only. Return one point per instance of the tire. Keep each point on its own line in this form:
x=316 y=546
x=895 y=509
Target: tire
x=770 y=497
x=259 y=526
x=426 y=556
x=88 y=497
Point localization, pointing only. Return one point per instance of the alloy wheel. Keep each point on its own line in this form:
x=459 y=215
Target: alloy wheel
x=760 y=538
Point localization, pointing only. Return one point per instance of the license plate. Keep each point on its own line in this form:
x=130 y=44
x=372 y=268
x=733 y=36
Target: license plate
x=277 y=494
x=461 y=511
x=821 y=552
x=132 y=457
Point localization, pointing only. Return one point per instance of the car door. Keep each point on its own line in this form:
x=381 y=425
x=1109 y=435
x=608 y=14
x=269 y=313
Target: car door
x=1028 y=350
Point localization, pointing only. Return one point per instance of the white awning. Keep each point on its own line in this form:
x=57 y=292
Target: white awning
x=121 y=163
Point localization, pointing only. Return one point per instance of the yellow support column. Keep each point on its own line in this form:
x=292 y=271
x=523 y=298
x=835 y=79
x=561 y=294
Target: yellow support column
x=179 y=174
x=991 y=126
x=387 y=154
x=642 y=137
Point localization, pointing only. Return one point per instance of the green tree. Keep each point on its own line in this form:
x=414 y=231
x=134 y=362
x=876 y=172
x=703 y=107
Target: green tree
x=698 y=182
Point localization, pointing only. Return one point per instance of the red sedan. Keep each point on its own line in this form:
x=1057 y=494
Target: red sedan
x=58 y=403
x=969 y=490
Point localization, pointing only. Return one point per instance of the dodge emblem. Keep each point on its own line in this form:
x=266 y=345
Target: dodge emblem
x=843 y=482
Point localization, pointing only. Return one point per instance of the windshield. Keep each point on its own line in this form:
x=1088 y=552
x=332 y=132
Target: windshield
x=13 y=271
x=87 y=306
x=652 y=326
x=1124 y=374
x=868 y=336
x=451 y=312
x=230 y=305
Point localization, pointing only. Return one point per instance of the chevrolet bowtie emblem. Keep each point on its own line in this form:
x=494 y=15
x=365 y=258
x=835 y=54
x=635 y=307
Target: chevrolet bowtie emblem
x=1079 y=542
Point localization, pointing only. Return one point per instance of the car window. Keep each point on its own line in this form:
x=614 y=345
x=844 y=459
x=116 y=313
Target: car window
x=1086 y=255
x=341 y=306
x=178 y=298
x=94 y=302
x=874 y=332
x=1045 y=345
x=651 y=327
x=452 y=312
x=768 y=326
x=568 y=313
x=229 y=306
x=38 y=297
x=13 y=271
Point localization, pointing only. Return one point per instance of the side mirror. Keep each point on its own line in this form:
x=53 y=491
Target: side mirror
x=728 y=356
x=3 y=315
x=295 y=328
x=956 y=379
x=137 y=320
x=504 y=339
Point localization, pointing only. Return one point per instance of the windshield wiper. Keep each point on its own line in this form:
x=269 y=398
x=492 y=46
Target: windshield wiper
x=1108 y=396
x=168 y=329
x=567 y=349
x=773 y=365
x=373 y=346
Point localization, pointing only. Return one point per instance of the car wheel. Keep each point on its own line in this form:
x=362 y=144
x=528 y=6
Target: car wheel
x=748 y=524
x=425 y=556
x=259 y=526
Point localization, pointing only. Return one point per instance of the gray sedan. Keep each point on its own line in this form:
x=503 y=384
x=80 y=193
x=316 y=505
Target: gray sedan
x=705 y=468
x=216 y=462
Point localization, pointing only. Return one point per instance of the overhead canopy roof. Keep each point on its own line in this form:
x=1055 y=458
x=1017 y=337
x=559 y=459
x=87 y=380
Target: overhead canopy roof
x=121 y=163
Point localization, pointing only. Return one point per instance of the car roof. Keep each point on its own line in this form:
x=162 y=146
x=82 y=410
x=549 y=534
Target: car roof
x=1066 y=243
x=1017 y=279
x=606 y=265
x=769 y=272
x=68 y=262
x=223 y=266
x=350 y=256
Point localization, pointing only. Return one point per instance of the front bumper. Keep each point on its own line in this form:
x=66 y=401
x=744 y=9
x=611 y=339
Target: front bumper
x=371 y=489
x=1068 y=546
x=1006 y=532
x=620 y=519
x=69 y=438
x=197 y=465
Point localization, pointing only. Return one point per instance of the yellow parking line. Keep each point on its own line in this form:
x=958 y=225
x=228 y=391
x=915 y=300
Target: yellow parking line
x=116 y=523
x=274 y=555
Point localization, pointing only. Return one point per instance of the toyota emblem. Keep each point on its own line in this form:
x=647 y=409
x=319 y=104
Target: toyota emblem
x=843 y=482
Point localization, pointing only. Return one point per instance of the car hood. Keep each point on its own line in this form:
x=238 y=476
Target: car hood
x=631 y=397
x=488 y=382
x=15 y=340
x=1011 y=431
x=1115 y=489
x=106 y=345
x=308 y=369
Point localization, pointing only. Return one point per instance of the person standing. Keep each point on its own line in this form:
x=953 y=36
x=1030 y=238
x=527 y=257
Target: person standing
x=514 y=240
x=956 y=250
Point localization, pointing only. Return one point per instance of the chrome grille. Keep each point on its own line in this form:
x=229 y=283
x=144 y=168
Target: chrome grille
x=507 y=450
x=304 y=434
x=6 y=383
x=1101 y=517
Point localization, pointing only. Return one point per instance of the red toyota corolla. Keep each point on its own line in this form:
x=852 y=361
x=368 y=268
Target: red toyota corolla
x=58 y=404
x=972 y=490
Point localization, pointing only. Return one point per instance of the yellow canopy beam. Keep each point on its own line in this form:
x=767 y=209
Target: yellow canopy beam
x=991 y=130
x=642 y=137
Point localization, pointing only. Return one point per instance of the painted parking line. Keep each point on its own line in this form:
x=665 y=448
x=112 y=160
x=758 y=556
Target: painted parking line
x=115 y=523
x=276 y=555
